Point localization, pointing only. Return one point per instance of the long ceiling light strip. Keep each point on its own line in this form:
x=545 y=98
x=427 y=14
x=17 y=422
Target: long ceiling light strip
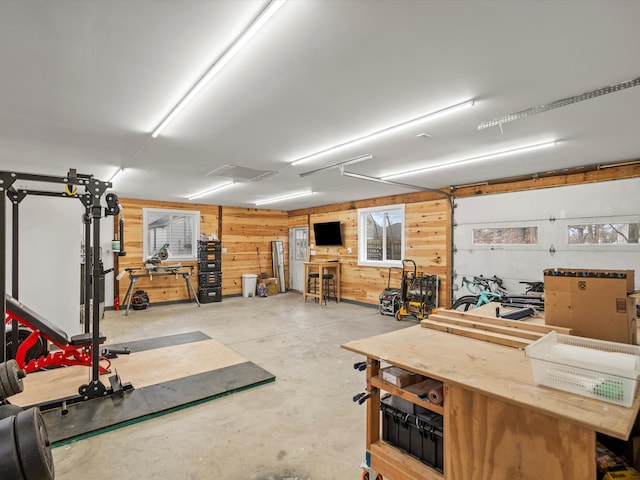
x=502 y=153
x=210 y=190
x=560 y=103
x=269 y=10
x=384 y=131
x=351 y=161
x=282 y=198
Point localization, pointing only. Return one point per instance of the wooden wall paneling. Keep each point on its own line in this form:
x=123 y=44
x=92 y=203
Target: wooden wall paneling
x=245 y=232
x=160 y=289
x=427 y=231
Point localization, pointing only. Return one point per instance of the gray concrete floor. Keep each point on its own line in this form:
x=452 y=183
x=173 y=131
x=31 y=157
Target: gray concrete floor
x=302 y=426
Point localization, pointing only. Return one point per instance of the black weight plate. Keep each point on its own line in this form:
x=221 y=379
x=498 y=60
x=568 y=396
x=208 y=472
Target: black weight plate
x=9 y=459
x=5 y=386
x=9 y=410
x=33 y=445
x=13 y=375
x=36 y=351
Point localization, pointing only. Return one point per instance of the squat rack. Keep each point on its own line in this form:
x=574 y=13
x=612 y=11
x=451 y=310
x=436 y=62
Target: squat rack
x=94 y=189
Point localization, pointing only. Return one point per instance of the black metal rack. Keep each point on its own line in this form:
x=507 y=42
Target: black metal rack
x=209 y=271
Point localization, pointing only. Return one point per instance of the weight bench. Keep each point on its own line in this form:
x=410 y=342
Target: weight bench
x=73 y=351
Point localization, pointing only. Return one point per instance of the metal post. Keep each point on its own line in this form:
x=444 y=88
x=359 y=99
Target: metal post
x=86 y=278
x=96 y=211
x=14 y=274
x=3 y=269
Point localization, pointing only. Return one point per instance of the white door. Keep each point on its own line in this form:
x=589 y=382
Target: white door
x=298 y=241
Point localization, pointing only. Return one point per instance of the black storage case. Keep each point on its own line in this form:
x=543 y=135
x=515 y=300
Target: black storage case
x=209 y=279
x=209 y=245
x=210 y=295
x=420 y=435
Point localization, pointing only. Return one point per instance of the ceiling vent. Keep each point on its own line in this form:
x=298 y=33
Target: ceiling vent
x=241 y=173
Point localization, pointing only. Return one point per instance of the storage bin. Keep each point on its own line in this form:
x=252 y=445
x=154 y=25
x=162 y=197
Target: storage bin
x=209 y=245
x=210 y=266
x=598 y=369
x=209 y=279
x=419 y=435
x=209 y=295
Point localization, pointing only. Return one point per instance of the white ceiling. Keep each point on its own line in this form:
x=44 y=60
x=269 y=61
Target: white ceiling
x=84 y=82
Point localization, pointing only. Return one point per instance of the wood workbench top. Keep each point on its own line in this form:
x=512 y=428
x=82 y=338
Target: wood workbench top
x=494 y=370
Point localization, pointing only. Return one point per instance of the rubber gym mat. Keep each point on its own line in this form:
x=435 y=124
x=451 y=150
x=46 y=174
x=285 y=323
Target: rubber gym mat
x=100 y=415
x=159 y=342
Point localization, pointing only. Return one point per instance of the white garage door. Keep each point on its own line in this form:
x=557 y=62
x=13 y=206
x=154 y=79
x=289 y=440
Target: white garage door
x=516 y=236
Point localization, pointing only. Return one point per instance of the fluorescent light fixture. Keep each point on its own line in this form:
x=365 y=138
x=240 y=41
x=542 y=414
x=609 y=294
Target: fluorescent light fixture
x=502 y=153
x=210 y=190
x=117 y=174
x=351 y=161
x=393 y=128
x=619 y=164
x=262 y=18
x=283 y=197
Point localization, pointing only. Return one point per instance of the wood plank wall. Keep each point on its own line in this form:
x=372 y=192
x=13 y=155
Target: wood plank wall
x=247 y=234
x=427 y=230
x=160 y=289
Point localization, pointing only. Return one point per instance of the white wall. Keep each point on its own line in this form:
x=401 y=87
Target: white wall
x=551 y=210
x=51 y=233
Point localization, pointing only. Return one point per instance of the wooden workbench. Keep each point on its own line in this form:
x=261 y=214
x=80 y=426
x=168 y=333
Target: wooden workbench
x=320 y=267
x=498 y=424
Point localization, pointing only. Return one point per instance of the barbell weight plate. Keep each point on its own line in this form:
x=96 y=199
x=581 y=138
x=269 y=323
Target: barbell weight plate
x=13 y=374
x=9 y=410
x=34 y=448
x=39 y=349
x=5 y=387
x=9 y=458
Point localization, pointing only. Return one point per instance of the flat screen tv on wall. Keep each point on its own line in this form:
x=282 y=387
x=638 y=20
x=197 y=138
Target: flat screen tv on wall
x=327 y=234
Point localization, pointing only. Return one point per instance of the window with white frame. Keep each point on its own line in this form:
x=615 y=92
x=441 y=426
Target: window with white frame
x=620 y=233
x=506 y=236
x=381 y=236
x=177 y=229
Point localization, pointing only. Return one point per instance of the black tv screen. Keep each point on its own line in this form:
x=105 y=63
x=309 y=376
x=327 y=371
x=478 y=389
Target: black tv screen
x=327 y=234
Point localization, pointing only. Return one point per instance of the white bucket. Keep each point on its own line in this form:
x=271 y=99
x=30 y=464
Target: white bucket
x=249 y=281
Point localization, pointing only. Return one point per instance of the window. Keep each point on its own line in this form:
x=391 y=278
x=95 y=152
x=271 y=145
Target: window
x=381 y=236
x=505 y=236
x=604 y=233
x=179 y=229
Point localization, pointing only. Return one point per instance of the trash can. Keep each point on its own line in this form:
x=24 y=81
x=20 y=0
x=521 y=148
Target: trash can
x=249 y=281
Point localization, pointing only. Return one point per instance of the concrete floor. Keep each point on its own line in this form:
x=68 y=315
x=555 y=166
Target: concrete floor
x=302 y=426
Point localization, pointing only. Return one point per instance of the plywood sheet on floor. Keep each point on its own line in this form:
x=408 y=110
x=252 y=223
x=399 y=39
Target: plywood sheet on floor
x=141 y=369
x=165 y=378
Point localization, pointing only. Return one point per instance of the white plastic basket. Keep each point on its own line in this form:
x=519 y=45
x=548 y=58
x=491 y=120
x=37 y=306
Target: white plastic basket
x=594 y=368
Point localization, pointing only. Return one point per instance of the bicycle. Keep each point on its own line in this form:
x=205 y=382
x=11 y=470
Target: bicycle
x=485 y=290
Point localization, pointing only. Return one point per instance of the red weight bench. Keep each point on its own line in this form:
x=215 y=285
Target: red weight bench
x=76 y=350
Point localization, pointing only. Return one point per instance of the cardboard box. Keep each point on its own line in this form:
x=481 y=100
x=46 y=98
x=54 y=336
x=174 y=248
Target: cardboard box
x=594 y=303
x=272 y=286
x=400 y=377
